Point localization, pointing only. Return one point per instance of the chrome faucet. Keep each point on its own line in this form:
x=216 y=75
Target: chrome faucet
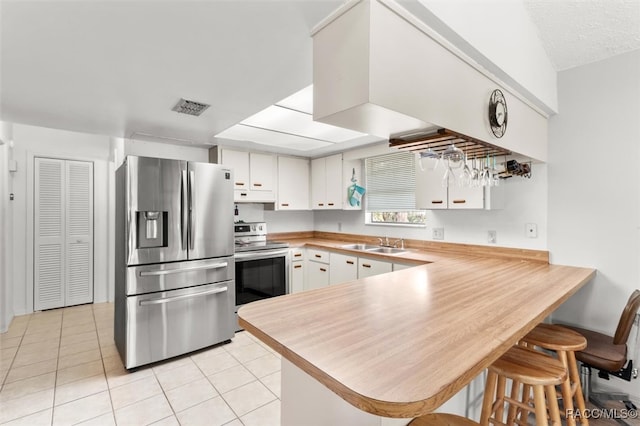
x=395 y=243
x=384 y=242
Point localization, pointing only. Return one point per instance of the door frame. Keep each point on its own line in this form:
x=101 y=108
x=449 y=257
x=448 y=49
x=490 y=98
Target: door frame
x=30 y=222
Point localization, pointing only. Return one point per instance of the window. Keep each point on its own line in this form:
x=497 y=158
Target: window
x=391 y=187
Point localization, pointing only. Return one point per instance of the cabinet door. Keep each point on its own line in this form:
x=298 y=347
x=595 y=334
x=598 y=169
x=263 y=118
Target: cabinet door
x=401 y=266
x=464 y=197
x=296 y=284
x=293 y=183
x=262 y=168
x=317 y=275
x=334 y=193
x=318 y=184
x=342 y=268
x=239 y=161
x=430 y=194
x=371 y=267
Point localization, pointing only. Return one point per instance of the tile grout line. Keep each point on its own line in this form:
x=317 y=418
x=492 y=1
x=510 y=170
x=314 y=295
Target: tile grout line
x=13 y=359
x=104 y=369
x=257 y=379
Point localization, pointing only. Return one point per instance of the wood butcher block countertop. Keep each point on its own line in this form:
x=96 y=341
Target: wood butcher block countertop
x=401 y=344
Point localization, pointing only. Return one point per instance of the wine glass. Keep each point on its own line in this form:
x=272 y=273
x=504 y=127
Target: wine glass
x=431 y=158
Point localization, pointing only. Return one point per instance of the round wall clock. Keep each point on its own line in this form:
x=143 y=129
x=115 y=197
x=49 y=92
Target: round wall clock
x=498 y=113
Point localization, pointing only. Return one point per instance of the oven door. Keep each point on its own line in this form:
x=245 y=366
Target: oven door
x=261 y=274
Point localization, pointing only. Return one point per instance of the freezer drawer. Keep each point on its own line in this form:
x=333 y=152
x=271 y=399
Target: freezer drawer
x=166 y=324
x=171 y=276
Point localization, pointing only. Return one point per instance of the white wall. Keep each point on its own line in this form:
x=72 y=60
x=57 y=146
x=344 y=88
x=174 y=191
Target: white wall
x=39 y=141
x=104 y=152
x=6 y=296
x=594 y=189
x=165 y=150
x=525 y=202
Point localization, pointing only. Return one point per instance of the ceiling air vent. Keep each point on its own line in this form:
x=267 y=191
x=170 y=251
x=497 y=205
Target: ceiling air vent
x=190 y=107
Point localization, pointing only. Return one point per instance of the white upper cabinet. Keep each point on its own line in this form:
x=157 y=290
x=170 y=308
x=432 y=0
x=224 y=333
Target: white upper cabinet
x=293 y=183
x=326 y=183
x=261 y=172
x=432 y=195
x=254 y=175
x=239 y=162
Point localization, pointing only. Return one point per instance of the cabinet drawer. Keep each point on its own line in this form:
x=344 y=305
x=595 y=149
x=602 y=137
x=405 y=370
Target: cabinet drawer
x=160 y=324
x=249 y=196
x=318 y=255
x=297 y=254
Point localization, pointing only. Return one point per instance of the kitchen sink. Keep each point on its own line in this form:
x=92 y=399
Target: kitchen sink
x=387 y=250
x=363 y=247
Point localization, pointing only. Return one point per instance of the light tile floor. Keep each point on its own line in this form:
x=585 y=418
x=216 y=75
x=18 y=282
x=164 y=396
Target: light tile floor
x=61 y=367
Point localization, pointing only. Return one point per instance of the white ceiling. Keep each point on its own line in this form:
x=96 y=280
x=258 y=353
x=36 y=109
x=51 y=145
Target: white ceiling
x=578 y=32
x=117 y=67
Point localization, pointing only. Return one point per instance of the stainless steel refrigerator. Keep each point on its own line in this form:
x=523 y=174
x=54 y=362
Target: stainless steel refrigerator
x=175 y=271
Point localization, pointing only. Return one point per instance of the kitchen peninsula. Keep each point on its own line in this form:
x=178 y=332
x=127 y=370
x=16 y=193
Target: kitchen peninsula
x=398 y=345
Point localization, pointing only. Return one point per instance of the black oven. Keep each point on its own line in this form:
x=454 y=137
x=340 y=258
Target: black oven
x=261 y=274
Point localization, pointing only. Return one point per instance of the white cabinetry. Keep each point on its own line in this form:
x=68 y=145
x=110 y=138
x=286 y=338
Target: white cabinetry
x=298 y=270
x=343 y=268
x=326 y=183
x=293 y=183
x=401 y=266
x=318 y=269
x=371 y=267
x=253 y=175
x=431 y=195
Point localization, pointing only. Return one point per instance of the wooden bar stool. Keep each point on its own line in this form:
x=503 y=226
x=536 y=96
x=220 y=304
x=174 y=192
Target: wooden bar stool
x=530 y=368
x=439 y=419
x=565 y=343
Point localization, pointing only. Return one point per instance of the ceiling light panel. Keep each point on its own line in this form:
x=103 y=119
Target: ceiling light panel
x=300 y=101
x=298 y=123
x=267 y=137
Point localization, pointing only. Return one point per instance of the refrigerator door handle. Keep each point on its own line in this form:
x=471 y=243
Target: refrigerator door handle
x=183 y=211
x=177 y=271
x=192 y=216
x=163 y=300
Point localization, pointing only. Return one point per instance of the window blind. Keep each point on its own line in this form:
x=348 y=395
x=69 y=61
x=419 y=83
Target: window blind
x=391 y=182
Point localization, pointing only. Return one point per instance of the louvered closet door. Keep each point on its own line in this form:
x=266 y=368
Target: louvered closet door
x=49 y=234
x=79 y=233
x=63 y=233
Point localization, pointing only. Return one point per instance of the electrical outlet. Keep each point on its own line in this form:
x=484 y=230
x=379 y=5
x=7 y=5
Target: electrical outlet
x=531 y=230
x=438 y=233
x=492 y=237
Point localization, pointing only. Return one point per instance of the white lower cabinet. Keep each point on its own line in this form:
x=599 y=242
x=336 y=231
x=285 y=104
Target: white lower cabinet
x=317 y=269
x=343 y=268
x=371 y=267
x=401 y=266
x=298 y=271
x=317 y=275
x=322 y=268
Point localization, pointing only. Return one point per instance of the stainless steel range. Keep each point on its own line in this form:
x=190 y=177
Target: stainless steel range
x=262 y=266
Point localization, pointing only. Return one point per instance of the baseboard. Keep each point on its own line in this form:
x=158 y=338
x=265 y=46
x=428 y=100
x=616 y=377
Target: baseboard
x=603 y=386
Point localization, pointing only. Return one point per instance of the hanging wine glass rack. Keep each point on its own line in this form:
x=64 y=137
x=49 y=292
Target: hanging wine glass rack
x=441 y=139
